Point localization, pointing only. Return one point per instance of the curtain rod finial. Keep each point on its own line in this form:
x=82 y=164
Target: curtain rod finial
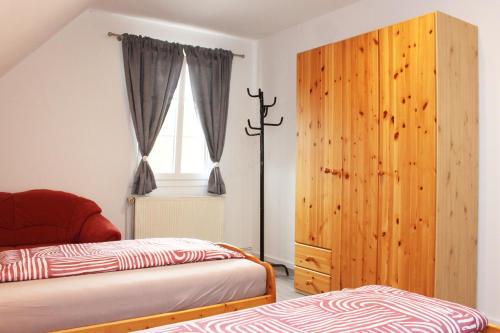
x=118 y=36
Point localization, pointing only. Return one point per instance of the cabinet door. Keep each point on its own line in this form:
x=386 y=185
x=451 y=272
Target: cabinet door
x=360 y=105
x=408 y=155
x=319 y=148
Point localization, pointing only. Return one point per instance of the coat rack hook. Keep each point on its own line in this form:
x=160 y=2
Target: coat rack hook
x=250 y=94
x=278 y=124
x=272 y=104
x=253 y=127
x=251 y=134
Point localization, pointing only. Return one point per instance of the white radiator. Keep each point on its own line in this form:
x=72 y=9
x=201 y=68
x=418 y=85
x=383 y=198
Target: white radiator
x=193 y=217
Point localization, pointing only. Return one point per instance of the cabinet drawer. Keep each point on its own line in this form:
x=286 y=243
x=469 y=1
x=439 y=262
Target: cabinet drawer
x=311 y=282
x=314 y=258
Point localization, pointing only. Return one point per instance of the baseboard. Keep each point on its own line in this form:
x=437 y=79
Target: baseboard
x=271 y=259
x=248 y=249
x=494 y=321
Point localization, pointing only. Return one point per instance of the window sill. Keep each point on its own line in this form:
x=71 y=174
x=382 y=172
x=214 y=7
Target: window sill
x=181 y=182
x=182 y=186
x=182 y=177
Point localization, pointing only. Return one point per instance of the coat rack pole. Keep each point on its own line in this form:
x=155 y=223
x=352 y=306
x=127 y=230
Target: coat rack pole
x=262 y=224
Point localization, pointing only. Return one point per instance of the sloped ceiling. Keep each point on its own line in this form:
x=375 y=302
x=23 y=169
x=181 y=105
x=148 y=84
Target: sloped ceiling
x=26 y=24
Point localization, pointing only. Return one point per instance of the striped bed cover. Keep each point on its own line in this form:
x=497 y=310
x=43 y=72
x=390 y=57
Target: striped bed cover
x=77 y=259
x=371 y=309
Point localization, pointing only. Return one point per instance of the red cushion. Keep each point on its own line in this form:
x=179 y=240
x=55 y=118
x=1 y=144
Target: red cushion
x=98 y=229
x=42 y=217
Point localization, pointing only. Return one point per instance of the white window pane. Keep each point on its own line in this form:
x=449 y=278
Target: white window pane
x=192 y=126
x=193 y=155
x=194 y=148
x=170 y=123
x=190 y=152
x=162 y=157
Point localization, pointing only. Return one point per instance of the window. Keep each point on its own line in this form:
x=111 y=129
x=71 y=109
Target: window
x=180 y=150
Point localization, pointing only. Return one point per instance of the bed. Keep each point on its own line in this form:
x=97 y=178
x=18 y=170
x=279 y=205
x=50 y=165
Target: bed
x=122 y=301
x=377 y=309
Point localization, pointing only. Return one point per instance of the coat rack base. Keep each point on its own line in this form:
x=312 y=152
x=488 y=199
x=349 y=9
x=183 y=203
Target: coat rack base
x=283 y=266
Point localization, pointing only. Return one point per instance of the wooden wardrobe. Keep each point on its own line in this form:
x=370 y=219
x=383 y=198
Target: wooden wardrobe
x=386 y=183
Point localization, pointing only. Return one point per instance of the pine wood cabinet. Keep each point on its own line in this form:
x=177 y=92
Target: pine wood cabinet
x=386 y=183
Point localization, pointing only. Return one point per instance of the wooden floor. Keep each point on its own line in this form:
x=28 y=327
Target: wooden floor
x=284 y=286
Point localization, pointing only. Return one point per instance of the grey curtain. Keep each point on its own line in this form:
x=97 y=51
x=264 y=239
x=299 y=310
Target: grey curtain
x=210 y=74
x=152 y=70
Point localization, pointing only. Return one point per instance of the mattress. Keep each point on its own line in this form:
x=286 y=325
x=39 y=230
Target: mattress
x=59 y=303
x=372 y=309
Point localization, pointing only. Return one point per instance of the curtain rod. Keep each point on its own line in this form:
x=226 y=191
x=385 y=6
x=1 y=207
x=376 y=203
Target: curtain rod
x=119 y=38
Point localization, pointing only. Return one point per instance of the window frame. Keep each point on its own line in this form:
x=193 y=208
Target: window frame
x=177 y=175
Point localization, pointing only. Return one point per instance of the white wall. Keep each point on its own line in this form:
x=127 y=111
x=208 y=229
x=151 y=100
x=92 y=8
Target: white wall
x=277 y=75
x=65 y=124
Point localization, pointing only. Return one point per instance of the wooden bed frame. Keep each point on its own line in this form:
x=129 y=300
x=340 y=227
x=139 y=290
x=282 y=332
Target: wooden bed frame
x=492 y=329
x=134 y=324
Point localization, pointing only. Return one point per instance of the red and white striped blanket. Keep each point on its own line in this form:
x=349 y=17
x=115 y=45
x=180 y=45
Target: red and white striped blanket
x=371 y=309
x=77 y=259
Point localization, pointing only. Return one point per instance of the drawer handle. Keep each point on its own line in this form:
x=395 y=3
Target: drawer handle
x=309 y=259
x=310 y=283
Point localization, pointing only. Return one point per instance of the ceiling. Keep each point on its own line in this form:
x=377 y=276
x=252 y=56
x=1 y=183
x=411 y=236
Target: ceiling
x=246 y=18
x=27 y=24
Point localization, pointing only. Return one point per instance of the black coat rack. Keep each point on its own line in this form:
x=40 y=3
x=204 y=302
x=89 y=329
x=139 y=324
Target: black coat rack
x=264 y=108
